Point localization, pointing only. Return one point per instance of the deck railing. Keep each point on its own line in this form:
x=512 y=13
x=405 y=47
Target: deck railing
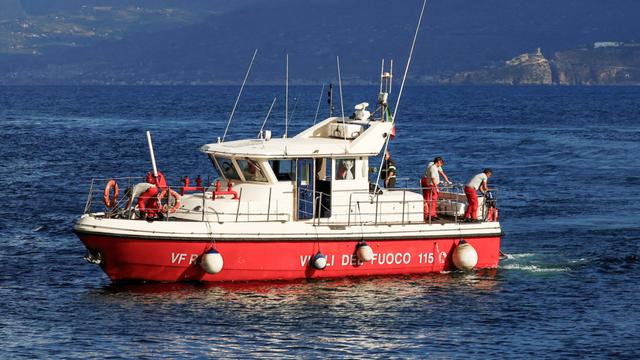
x=360 y=208
x=126 y=209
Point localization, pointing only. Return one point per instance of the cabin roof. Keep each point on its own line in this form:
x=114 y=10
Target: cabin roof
x=312 y=142
x=279 y=148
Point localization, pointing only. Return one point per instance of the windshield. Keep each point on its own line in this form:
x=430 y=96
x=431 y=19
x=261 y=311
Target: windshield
x=251 y=170
x=225 y=168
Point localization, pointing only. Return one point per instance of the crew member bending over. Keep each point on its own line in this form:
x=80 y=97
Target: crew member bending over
x=148 y=203
x=478 y=182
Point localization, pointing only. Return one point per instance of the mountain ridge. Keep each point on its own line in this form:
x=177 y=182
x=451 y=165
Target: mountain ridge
x=611 y=63
x=215 y=47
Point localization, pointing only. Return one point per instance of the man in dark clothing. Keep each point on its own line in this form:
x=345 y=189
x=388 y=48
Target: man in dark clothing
x=389 y=171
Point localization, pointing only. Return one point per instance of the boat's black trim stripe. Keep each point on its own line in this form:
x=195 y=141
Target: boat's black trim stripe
x=261 y=239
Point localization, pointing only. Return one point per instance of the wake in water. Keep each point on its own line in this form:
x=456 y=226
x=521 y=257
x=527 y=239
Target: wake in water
x=534 y=268
x=539 y=263
x=526 y=262
x=516 y=256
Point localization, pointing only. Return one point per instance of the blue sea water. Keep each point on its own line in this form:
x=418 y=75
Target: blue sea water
x=566 y=161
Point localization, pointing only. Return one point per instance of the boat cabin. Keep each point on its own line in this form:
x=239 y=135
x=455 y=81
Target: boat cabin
x=321 y=173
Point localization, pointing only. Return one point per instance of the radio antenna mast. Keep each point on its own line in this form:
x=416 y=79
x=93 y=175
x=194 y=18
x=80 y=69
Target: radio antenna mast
x=404 y=78
x=406 y=69
x=318 y=107
x=330 y=99
x=341 y=102
x=286 y=98
x=239 y=94
x=267 y=117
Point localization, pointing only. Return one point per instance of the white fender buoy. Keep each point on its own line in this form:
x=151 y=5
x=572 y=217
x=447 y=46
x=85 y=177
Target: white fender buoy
x=365 y=253
x=212 y=262
x=465 y=256
x=319 y=261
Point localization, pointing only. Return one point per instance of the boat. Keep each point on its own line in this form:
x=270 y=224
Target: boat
x=302 y=207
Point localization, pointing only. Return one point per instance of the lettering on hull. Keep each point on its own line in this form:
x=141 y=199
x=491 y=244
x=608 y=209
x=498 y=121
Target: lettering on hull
x=183 y=258
x=399 y=258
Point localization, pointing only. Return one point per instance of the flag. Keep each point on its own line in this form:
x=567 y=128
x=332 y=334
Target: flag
x=393 y=129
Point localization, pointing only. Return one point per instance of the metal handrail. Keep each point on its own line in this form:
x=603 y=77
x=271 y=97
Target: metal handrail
x=379 y=214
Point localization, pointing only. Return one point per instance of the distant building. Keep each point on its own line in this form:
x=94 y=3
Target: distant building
x=606 y=44
x=526 y=58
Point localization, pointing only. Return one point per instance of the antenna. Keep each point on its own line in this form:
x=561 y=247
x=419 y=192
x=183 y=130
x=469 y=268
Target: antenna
x=330 y=99
x=406 y=69
x=318 y=108
x=391 y=76
x=385 y=89
x=239 y=94
x=381 y=74
x=286 y=98
x=295 y=106
x=404 y=78
x=341 y=102
x=340 y=85
x=267 y=117
x=344 y=131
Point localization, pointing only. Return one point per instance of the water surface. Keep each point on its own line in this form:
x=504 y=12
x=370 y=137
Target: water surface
x=566 y=161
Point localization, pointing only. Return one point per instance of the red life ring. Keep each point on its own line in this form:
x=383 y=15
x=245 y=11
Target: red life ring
x=175 y=206
x=108 y=201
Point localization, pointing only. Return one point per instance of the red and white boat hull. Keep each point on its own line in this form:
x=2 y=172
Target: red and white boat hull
x=167 y=260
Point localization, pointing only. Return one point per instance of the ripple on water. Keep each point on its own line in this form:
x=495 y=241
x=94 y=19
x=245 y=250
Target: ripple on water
x=567 y=288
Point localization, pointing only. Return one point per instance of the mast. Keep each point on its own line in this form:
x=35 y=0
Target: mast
x=404 y=78
x=286 y=98
x=385 y=90
x=267 y=117
x=239 y=94
x=381 y=73
x=341 y=102
x=406 y=69
x=315 y=119
x=330 y=99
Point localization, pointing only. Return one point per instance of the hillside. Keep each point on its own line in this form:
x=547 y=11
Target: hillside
x=610 y=65
x=602 y=66
x=525 y=69
x=203 y=42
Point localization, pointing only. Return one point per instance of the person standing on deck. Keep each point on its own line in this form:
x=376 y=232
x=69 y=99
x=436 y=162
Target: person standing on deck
x=388 y=171
x=478 y=182
x=440 y=172
x=429 y=183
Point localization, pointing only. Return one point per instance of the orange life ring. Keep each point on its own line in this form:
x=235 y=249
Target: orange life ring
x=108 y=201
x=175 y=195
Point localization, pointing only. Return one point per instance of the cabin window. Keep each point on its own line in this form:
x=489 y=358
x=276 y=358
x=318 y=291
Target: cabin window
x=283 y=169
x=323 y=169
x=227 y=168
x=345 y=169
x=251 y=170
x=215 y=166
